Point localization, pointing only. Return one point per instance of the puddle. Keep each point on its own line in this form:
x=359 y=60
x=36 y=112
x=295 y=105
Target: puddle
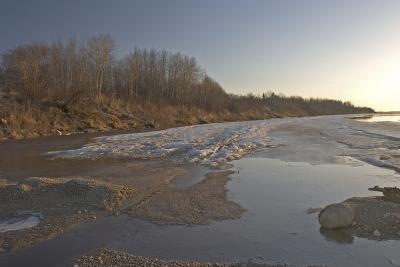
x=19 y=222
x=276 y=228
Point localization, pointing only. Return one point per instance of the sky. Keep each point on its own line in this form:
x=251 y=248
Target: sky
x=343 y=49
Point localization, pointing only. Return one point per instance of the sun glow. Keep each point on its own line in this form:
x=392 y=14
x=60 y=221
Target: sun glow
x=378 y=84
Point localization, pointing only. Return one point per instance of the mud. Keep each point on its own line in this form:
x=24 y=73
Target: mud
x=61 y=203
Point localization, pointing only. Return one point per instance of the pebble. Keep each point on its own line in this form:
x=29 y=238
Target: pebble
x=115 y=258
x=377 y=233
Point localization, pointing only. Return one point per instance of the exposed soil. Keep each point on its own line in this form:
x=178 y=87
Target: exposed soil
x=62 y=204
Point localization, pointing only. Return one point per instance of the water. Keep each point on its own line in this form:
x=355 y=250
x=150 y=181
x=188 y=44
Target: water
x=276 y=228
x=19 y=222
x=195 y=174
x=27 y=158
x=381 y=118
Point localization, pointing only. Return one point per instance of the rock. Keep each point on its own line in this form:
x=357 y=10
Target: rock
x=24 y=188
x=390 y=193
x=3 y=182
x=336 y=216
x=394 y=262
x=149 y=125
x=384 y=157
x=312 y=210
x=376 y=233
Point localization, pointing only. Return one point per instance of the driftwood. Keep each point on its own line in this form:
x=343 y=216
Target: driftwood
x=390 y=193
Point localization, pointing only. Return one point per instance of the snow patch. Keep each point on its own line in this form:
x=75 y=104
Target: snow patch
x=206 y=144
x=19 y=222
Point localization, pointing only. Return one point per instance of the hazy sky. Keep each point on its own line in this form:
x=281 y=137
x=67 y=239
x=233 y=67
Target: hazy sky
x=346 y=49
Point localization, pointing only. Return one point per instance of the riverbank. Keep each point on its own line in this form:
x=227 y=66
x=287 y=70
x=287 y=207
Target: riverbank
x=229 y=211
x=37 y=209
x=374 y=217
x=58 y=204
x=22 y=117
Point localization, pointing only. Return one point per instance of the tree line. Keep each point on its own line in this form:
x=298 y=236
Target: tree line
x=90 y=69
x=298 y=106
x=58 y=71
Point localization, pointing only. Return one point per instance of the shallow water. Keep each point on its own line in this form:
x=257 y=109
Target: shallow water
x=18 y=222
x=195 y=174
x=27 y=158
x=276 y=228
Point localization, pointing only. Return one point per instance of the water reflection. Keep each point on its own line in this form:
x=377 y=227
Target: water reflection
x=276 y=226
x=341 y=236
x=380 y=118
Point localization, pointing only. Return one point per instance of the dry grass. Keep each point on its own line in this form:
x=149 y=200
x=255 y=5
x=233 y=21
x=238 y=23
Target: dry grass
x=23 y=119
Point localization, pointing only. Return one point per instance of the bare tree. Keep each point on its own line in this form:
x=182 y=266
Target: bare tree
x=100 y=52
x=63 y=72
